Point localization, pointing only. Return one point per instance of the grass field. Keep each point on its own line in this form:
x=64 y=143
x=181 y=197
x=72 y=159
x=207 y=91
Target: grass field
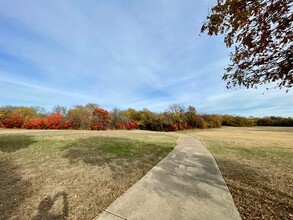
x=72 y=174
x=257 y=164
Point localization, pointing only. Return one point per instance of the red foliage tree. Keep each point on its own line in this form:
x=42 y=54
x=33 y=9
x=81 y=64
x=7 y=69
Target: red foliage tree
x=131 y=125
x=13 y=120
x=35 y=123
x=101 y=119
x=185 y=125
x=174 y=127
x=8 y=122
x=127 y=126
x=72 y=121
x=17 y=120
x=119 y=126
x=97 y=126
x=54 y=121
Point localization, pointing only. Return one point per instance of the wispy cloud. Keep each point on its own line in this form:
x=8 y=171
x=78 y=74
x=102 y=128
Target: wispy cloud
x=46 y=89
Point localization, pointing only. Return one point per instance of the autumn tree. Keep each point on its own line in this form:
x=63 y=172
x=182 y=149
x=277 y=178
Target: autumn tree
x=200 y=122
x=275 y=121
x=118 y=118
x=178 y=114
x=166 y=120
x=35 y=123
x=54 y=121
x=80 y=117
x=191 y=116
x=147 y=119
x=159 y=119
x=101 y=119
x=213 y=121
x=14 y=117
x=6 y=119
x=132 y=115
x=73 y=119
x=262 y=33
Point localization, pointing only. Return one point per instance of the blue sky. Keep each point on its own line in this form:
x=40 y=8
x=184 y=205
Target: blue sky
x=127 y=54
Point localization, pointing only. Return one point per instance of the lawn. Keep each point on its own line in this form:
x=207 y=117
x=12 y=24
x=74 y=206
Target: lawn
x=257 y=164
x=72 y=174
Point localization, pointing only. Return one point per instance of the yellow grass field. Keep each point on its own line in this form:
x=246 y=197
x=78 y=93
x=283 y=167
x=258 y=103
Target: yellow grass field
x=46 y=174
x=257 y=164
x=72 y=174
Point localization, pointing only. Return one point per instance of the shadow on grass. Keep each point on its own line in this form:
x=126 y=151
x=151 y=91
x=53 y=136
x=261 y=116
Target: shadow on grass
x=102 y=150
x=14 y=142
x=46 y=205
x=13 y=189
x=254 y=194
x=115 y=153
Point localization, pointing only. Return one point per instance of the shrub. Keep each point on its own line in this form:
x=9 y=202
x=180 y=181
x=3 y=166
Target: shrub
x=174 y=127
x=54 y=121
x=201 y=123
x=68 y=124
x=119 y=126
x=35 y=123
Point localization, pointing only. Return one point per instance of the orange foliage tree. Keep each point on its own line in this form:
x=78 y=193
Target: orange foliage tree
x=54 y=121
x=35 y=123
x=101 y=119
x=13 y=120
x=17 y=120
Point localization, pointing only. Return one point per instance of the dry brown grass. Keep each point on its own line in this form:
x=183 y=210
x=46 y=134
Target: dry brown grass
x=257 y=165
x=72 y=174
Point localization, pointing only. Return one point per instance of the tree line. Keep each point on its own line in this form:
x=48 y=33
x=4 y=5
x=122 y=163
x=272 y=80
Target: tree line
x=92 y=117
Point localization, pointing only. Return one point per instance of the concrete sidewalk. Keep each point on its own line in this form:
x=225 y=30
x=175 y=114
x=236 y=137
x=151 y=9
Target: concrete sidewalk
x=187 y=184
